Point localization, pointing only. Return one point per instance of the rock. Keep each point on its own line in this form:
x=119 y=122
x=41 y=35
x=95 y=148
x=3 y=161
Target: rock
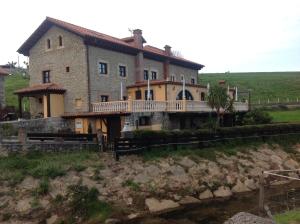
x=24 y=205
x=29 y=183
x=255 y=172
x=189 y=200
x=206 y=195
x=53 y=219
x=247 y=218
x=283 y=155
x=44 y=203
x=187 y=163
x=222 y=192
x=112 y=221
x=240 y=187
x=155 y=205
x=133 y=215
x=177 y=170
x=276 y=159
x=250 y=183
x=152 y=170
x=177 y=197
x=142 y=178
x=4 y=201
x=291 y=164
x=57 y=187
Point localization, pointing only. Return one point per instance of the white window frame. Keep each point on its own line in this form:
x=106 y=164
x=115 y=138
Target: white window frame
x=153 y=70
x=173 y=78
x=126 y=69
x=195 y=82
x=107 y=69
x=144 y=73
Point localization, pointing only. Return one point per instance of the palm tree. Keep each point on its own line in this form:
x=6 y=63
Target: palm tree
x=219 y=100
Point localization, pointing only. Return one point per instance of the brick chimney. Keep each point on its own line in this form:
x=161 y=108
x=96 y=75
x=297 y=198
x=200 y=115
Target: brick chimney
x=168 y=50
x=138 y=38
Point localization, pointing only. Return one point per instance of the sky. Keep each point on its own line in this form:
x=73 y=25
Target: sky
x=231 y=35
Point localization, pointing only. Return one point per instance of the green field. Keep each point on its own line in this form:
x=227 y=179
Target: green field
x=263 y=85
x=290 y=217
x=12 y=83
x=285 y=115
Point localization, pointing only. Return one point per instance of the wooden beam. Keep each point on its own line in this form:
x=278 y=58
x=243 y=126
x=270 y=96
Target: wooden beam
x=48 y=105
x=20 y=105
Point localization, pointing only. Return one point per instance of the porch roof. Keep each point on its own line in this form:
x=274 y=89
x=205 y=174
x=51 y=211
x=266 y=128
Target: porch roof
x=41 y=89
x=3 y=71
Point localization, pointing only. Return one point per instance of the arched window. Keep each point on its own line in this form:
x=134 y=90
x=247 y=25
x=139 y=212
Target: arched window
x=202 y=96
x=48 y=44
x=188 y=95
x=60 y=41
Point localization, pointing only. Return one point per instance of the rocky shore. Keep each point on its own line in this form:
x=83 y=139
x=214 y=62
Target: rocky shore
x=138 y=187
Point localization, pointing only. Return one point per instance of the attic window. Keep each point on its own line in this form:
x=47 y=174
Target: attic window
x=60 y=41
x=67 y=69
x=48 y=44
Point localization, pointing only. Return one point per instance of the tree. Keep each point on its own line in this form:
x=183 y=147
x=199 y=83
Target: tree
x=219 y=100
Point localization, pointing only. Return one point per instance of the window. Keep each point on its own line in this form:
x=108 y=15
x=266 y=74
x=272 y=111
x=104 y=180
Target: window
x=67 y=69
x=46 y=76
x=181 y=78
x=173 y=78
x=151 y=95
x=143 y=121
x=122 y=70
x=193 y=81
x=138 y=95
x=102 y=68
x=48 y=44
x=78 y=103
x=202 y=96
x=60 y=41
x=146 y=75
x=104 y=98
x=153 y=75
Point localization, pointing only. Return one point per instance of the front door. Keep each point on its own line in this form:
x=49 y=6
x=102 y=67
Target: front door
x=113 y=128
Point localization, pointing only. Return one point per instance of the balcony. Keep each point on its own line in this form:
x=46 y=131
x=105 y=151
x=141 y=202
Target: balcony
x=132 y=106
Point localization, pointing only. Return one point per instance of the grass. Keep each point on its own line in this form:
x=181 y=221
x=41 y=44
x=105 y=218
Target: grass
x=285 y=115
x=131 y=184
x=44 y=165
x=290 y=217
x=13 y=83
x=263 y=85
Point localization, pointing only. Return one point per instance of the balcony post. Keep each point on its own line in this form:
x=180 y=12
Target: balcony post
x=130 y=102
x=184 y=105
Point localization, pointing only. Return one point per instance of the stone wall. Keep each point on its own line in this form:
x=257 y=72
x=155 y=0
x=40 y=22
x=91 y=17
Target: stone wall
x=73 y=55
x=2 y=98
x=188 y=73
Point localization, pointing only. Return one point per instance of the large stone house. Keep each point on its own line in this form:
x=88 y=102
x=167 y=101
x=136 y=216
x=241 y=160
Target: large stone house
x=3 y=73
x=101 y=81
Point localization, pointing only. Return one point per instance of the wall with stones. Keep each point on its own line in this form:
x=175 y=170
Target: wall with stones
x=188 y=73
x=2 y=98
x=156 y=66
x=109 y=84
x=73 y=55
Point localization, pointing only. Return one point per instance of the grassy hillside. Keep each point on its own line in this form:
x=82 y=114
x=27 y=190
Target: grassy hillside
x=263 y=85
x=12 y=83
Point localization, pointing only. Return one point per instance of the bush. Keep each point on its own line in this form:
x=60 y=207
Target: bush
x=257 y=116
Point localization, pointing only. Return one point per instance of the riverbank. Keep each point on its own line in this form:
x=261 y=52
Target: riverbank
x=135 y=186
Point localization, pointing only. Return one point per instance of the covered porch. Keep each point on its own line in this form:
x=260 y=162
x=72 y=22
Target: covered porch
x=46 y=100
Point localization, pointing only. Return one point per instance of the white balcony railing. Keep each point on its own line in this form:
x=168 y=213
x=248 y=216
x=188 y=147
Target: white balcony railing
x=158 y=106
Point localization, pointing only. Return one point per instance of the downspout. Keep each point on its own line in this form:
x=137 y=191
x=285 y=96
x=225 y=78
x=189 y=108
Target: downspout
x=88 y=77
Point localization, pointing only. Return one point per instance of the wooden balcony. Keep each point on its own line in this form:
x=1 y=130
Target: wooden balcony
x=132 y=106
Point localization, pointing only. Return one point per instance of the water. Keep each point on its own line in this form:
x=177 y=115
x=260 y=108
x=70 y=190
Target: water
x=219 y=210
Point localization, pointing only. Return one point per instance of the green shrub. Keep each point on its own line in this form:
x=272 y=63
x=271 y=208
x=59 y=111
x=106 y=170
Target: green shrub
x=257 y=116
x=43 y=188
x=133 y=185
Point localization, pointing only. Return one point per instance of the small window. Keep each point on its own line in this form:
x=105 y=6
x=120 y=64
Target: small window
x=102 y=68
x=153 y=75
x=60 y=41
x=144 y=121
x=146 y=75
x=138 y=95
x=122 y=70
x=181 y=78
x=104 y=98
x=193 y=81
x=46 y=76
x=78 y=103
x=151 y=95
x=202 y=96
x=48 y=44
x=173 y=78
x=67 y=69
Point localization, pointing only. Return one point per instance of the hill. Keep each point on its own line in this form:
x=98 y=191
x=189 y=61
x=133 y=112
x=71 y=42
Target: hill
x=12 y=83
x=263 y=85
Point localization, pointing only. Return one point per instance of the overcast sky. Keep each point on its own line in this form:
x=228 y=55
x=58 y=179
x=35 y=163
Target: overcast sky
x=231 y=35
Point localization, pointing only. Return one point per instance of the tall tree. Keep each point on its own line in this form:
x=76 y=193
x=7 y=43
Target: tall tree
x=219 y=100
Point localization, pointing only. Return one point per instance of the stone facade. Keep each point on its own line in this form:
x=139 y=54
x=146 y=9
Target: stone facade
x=2 y=98
x=56 y=59
x=188 y=73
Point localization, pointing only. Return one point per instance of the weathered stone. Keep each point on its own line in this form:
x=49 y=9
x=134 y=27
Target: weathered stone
x=283 y=155
x=239 y=187
x=155 y=205
x=186 y=162
x=4 y=201
x=133 y=215
x=247 y=218
x=291 y=164
x=255 y=172
x=152 y=170
x=222 y=192
x=206 y=195
x=24 y=205
x=53 y=219
x=276 y=159
x=142 y=178
x=250 y=183
x=189 y=200
x=112 y=221
x=177 y=170
x=29 y=183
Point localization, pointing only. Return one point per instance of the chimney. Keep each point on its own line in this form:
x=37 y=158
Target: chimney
x=168 y=50
x=138 y=38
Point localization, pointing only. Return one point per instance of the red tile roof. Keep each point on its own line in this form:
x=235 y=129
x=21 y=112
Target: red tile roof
x=3 y=71
x=41 y=88
x=87 y=33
